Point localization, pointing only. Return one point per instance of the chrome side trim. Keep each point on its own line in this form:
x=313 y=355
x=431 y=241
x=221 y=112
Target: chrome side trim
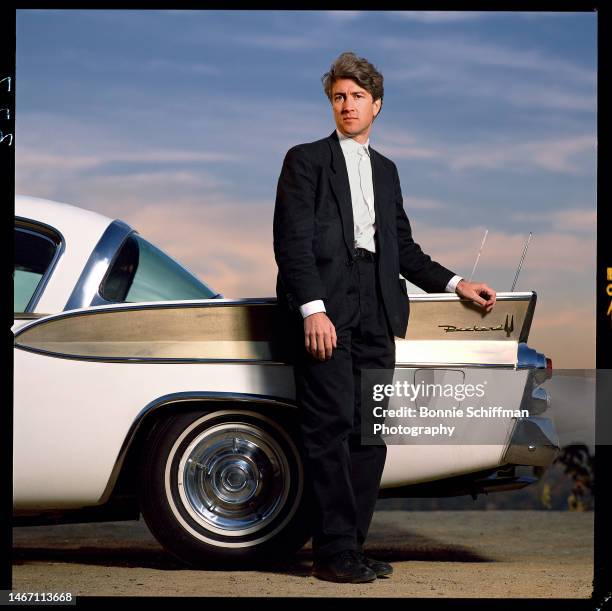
x=38 y=228
x=146 y=360
x=198 y=303
x=440 y=365
x=533 y=441
x=118 y=307
x=77 y=296
x=182 y=397
x=156 y=361
x=508 y=296
x=97 y=265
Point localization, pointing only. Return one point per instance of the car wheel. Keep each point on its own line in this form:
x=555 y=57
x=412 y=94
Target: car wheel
x=226 y=486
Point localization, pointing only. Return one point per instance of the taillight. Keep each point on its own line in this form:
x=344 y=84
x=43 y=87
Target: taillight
x=549 y=368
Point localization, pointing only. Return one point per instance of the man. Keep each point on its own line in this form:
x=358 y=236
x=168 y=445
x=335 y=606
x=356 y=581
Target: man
x=341 y=240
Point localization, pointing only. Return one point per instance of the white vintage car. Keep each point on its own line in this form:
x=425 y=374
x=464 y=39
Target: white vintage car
x=139 y=389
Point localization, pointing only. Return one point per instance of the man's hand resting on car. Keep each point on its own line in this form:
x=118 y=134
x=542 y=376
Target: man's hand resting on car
x=319 y=336
x=478 y=292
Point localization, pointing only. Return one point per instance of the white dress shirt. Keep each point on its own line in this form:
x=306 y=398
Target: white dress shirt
x=359 y=167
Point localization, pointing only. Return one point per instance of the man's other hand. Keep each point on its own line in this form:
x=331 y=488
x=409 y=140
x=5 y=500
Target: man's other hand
x=478 y=292
x=319 y=336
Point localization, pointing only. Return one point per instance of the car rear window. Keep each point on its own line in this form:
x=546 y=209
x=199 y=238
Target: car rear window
x=142 y=272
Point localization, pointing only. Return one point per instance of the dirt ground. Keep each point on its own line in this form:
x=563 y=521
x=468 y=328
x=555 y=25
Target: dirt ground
x=491 y=554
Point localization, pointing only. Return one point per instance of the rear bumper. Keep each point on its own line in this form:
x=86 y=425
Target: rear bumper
x=533 y=442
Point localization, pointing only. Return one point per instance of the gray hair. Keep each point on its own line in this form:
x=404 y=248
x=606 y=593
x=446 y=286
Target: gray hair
x=359 y=69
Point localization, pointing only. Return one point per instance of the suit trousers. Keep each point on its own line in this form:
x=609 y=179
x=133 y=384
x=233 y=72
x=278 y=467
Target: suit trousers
x=342 y=474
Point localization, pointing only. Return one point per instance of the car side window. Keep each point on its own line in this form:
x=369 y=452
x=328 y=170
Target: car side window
x=142 y=272
x=34 y=256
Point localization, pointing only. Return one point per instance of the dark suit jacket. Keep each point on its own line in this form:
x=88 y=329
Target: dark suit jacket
x=314 y=238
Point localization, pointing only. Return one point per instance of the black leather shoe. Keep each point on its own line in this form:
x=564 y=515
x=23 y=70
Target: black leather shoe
x=343 y=567
x=382 y=569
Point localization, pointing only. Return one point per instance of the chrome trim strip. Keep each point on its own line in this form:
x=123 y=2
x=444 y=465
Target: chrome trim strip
x=242 y=301
x=97 y=265
x=116 y=307
x=182 y=397
x=49 y=233
x=439 y=365
x=412 y=297
x=508 y=296
x=214 y=302
x=157 y=361
x=144 y=360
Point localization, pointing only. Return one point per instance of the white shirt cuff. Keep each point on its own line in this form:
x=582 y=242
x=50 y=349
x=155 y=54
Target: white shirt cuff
x=452 y=284
x=312 y=307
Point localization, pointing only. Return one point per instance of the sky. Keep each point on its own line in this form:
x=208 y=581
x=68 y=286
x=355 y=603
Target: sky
x=177 y=122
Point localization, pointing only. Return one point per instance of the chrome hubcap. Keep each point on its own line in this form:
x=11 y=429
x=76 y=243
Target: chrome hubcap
x=234 y=478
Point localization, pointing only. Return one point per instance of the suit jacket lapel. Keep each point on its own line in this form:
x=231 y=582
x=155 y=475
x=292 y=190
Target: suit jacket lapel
x=338 y=179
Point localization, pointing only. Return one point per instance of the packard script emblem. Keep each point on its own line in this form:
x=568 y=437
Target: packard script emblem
x=508 y=327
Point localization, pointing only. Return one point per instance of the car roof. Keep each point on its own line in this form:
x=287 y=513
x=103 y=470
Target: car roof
x=63 y=217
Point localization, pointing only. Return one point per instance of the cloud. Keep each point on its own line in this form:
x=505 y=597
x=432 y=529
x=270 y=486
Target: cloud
x=402 y=144
x=564 y=155
x=344 y=16
x=579 y=220
x=517 y=91
x=556 y=155
x=179 y=66
x=424 y=203
x=90 y=62
x=448 y=52
x=277 y=41
x=236 y=259
x=75 y=178
x=566 y=335
x=534 y=95
x=440 y=79
x=55 y=161
x=525 y=78
x=550 y=251
x=436 y=17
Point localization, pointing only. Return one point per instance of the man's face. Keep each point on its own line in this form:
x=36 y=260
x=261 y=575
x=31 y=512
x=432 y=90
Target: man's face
x=354 y=109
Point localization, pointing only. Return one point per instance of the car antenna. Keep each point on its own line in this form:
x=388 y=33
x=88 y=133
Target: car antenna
x=484 y=239
x=518 y=271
